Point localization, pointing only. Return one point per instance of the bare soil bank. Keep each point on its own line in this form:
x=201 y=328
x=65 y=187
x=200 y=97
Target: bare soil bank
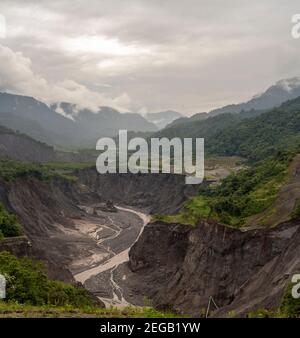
x=180 y=268
x=175 y=266
x=54 y=221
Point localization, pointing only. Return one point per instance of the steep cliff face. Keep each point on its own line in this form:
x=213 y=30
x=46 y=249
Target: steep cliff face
x=159 y=193
x=46 y=210
x=176 y=266
x=181 y=268
x=265 y=287
x=40 y=208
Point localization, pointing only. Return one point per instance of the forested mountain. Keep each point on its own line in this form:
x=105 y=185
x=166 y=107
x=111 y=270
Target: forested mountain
x=81 y=130
x=36 y=119
x=274 y=96
x=251 y=134
x=200 y=126
x=106 y=122
x=17 y=146
x=258 y=137
x=21 y=147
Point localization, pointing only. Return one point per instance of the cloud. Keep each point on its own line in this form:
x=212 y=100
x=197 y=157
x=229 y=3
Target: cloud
x=153 y=55
x=101 y=45
x=16 y=76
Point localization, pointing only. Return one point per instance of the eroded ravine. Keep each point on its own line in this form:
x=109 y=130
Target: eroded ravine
x=112 y=263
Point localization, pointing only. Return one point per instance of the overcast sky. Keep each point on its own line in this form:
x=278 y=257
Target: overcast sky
x=147 y=55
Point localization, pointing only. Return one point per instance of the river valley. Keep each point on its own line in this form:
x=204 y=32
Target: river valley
x=122 y=259
x=100 y=276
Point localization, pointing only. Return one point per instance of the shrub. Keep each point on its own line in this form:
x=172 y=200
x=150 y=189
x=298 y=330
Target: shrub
x=9 y=226
x=27 y=283
x=290 y=306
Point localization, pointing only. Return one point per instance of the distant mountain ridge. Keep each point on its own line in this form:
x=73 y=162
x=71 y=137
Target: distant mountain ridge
x=21 y=147
x=63 y=125
x=35 y=118
x=274 y=96
x=162 y=119
x=106 y=122
x=194 y=126
x=258 y=137
x=182 y=120
x=254 y=134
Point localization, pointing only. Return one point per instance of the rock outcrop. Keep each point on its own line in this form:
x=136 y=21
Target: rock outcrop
x=18 y=246
x=46 y=209
x=176 y=266
x=179 y=267
x=158 y=193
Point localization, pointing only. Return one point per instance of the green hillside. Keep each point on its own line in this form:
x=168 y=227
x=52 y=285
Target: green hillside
x=250 y=134
x=261 y=136
x=239 y=196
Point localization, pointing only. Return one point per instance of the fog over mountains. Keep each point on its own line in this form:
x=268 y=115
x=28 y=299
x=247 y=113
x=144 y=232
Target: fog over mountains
x=81 y=129
x=64 y=126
